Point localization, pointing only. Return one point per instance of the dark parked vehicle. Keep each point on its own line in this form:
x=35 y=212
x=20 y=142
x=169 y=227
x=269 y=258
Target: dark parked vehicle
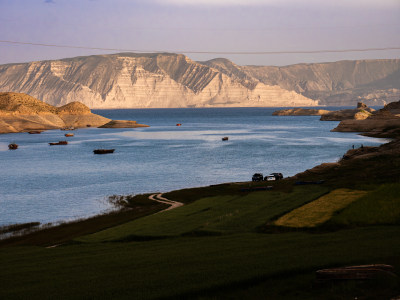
x=257 y=177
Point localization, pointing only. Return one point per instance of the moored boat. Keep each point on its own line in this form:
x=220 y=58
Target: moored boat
x=225 y=138
x=69 y=134
x=59 y=143
x=13 y=146
x=35 y=131
x=103 y=151
x=178 y=124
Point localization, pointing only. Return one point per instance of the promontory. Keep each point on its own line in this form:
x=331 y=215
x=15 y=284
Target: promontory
x=20 y=112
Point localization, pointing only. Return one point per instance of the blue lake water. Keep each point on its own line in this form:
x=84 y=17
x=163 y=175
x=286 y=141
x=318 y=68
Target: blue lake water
x=46 y=183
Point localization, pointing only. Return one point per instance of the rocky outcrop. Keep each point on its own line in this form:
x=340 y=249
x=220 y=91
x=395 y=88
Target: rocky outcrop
x=382 y=123
x=129 y=80
x=300 y=112
x=360 y=113
x=343 y=83
x=122 y=124
x=21 y=112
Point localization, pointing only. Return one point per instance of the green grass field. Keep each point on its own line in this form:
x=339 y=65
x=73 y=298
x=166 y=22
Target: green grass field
x=382 y=206
x=212 y=215
x=320 y=210
x=187 y=265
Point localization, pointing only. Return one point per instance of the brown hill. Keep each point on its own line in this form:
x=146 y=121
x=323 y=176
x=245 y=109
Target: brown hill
x=23 y=104
x=74 y=108
x=21 y=112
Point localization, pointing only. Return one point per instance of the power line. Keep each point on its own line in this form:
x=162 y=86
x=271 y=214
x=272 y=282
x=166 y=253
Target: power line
x=208 y=52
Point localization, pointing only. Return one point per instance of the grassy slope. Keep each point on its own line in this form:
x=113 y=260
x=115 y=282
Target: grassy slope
x=167 y=268
x=218 y=214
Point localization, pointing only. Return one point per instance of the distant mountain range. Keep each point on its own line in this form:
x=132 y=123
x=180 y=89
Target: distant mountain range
x=129 y=80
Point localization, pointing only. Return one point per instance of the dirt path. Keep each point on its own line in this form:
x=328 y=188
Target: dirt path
x=159 y=198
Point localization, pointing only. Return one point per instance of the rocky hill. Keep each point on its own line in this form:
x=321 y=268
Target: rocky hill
x=130 y=80
x=374 y=82
x=21 y=112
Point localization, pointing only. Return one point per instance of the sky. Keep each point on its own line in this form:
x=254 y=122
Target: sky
x=204 y=29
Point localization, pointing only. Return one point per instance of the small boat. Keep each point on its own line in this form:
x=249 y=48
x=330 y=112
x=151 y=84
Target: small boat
x=103 y=151
x=13 y=146
x=179 y=124
x=225 y=138
x=35 y=132
x=69 y=134
x=59 y=143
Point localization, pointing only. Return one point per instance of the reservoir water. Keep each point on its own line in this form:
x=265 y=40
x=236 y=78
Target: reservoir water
x=46 y=183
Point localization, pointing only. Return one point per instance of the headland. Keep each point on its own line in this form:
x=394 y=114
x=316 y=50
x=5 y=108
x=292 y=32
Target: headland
x=21 y=113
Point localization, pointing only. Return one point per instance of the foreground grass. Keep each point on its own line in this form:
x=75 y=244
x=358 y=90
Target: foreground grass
x=189 y=266
x=381 y=206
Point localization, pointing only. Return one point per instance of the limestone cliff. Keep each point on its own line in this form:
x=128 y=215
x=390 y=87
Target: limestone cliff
x=374 y=82
x=129 y=80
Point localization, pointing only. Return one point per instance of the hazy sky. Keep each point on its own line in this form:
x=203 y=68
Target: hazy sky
x=202 y=26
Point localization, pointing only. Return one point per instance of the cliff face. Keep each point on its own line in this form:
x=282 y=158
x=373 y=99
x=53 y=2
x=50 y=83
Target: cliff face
x=130 y=80
x=374 y=82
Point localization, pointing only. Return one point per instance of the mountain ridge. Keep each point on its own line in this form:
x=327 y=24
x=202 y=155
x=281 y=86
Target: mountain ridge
x=149 y=80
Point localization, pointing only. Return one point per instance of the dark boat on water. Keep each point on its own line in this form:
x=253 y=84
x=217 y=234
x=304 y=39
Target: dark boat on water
x=225 y=138
x=12 y=146
x=35 y=131
x=59 y=143
x=103 y=151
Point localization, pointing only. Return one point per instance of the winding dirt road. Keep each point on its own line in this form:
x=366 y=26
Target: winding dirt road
x=159 y=198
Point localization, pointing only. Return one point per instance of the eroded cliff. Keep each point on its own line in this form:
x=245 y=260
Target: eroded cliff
x=128 y=80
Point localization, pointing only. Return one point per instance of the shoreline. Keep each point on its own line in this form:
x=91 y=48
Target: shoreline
x=115 y=210
x=202 y=186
